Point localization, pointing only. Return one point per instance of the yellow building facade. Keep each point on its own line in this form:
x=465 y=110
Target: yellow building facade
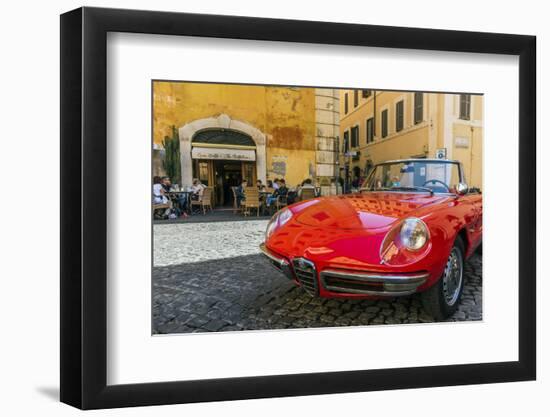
x=263 y=132
x=377 y=126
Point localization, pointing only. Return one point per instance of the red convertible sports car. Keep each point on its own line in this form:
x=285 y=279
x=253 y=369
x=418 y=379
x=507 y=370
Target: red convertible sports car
x=409 y=229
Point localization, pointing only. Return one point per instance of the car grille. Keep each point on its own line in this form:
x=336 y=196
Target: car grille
x=306 y=275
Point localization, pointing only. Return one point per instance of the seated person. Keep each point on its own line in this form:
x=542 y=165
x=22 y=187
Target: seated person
x=166 y=184
x=306 y=184
x=159 y=195
x=260 y=186
x=281 y=190
x=240 y=192
x=197 y=189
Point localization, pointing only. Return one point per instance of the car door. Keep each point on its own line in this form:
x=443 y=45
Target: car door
x=473 y=204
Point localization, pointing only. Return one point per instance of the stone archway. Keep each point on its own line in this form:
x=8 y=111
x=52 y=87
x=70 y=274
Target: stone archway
x=223 y=121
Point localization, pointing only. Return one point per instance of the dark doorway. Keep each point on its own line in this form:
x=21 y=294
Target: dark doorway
x=228 y=174
x=356 y=172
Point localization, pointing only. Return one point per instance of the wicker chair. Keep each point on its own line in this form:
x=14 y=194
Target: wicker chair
x=281 y=202
x=307 y=194
x=160 y=209
x=251 y=200
x=204 y=201
x=236 y=207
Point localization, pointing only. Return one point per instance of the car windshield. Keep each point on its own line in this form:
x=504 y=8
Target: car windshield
x=418 y=175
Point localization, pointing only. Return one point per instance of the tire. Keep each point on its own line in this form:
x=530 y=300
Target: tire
x=443 y=298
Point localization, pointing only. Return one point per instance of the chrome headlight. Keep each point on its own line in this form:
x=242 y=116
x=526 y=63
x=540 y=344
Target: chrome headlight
x=414 y=234
x=279 y=219
x=284 y=216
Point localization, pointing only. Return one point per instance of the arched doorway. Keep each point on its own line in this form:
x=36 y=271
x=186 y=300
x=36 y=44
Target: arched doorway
x=222 y=158
x=206 y=142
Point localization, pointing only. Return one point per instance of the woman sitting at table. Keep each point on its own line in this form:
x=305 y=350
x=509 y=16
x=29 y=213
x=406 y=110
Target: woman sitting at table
x=260 y=186
x=159 y=195
x=197 y=189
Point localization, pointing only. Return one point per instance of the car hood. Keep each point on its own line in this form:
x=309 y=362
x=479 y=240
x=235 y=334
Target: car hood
x=373 y=210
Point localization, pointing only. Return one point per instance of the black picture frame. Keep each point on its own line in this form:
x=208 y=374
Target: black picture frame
x=84 y=207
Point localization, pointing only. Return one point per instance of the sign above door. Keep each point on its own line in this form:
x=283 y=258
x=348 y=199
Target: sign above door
x=222 y=153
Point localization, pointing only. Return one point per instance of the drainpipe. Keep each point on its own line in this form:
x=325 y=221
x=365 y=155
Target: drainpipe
x=336 y=156
x=374 y=116
x=471 y=152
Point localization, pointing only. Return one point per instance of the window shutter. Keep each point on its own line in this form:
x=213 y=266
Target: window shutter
x=346 y=103
x=370 y=130
x=355 y=136
x=418 y=107
x=399 y=116
x=346 y=142
x=465 y=104
x=384 y=123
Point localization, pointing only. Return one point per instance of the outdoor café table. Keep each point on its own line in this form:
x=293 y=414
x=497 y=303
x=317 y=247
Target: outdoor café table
x=263 y=198
x=176 y=195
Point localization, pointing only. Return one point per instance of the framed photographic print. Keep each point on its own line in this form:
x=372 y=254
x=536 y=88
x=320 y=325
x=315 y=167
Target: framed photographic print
x=257 y=208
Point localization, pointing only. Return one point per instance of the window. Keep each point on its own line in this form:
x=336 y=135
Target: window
x=418 y=107
x=370 y=130
x=249 y=172
x=346 y=103
x=203 y=172
x=345 y=145
x=384 y=123
x=366 y=93
x=355 y=136
x=399 y=116
x=355 y=98
x=465 y=104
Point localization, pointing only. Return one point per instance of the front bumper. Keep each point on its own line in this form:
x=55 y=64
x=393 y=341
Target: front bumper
x=277 y=261
x=367 y=283
x=341 y=282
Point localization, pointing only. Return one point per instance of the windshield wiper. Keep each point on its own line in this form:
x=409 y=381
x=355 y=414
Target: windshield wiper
x=426 y=189
x=400 y=188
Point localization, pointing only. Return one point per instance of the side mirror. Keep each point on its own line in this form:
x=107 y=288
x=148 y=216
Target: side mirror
x=461 y=188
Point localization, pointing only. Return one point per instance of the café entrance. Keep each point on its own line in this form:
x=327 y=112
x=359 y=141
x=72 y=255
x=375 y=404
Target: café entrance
x=222 y=158
x=221 y=175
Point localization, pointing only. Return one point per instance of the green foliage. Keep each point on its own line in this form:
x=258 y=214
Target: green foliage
x=171 y=162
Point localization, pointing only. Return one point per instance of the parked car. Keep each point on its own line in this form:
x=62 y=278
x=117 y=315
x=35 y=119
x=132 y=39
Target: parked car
x=409 y=229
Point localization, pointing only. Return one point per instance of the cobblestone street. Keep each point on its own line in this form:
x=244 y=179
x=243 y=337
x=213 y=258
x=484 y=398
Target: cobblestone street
x=210 y=277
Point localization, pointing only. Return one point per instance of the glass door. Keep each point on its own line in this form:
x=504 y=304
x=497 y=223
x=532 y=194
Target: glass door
x=249 y=173
x=204 y=171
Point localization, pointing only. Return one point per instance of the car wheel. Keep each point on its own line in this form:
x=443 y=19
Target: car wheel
x=442 y=299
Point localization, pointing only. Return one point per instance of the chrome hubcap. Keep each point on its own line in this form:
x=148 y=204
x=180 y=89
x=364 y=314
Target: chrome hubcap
x=452 y=277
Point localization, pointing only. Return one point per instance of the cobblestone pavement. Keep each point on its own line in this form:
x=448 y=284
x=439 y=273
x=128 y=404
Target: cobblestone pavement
x=210 y=277
x=182 y=243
